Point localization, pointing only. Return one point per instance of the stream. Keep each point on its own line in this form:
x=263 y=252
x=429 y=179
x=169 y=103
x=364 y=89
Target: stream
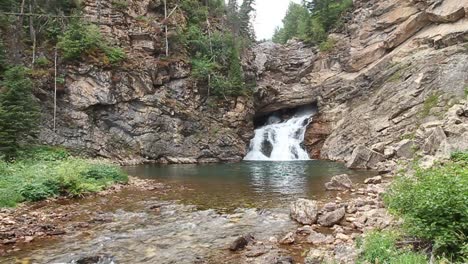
x=207 y=207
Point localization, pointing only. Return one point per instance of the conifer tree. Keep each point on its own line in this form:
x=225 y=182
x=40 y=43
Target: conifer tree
x=19 y=112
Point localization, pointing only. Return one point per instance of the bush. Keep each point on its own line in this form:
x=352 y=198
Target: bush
x=82 y=38
x=327 y=45
x=379 y=247
x=434 y=205
x=46 y=172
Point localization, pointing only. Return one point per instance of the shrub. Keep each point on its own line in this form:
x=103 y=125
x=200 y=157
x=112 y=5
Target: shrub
x=82 y=38
x=434 y=205
x=46 y=172
x=379 y=247
x=42 y=62
x=327 y=45
x=120 y=5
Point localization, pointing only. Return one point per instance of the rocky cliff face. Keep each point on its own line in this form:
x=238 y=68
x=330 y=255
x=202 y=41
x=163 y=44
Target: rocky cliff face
x=394 y=85
x=149 y=108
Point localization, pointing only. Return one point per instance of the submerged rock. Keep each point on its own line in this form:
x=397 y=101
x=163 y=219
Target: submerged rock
x=339 y=183
x=98 y=259
x=241 y=242
x=304 y=211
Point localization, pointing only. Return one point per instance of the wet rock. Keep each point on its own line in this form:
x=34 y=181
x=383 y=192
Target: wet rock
x=373 y=180
x=304 y=230
x=241 y=242
x=339 y=183
x=315 y=256
x=287 y=239
x=331 y=218
x=256 y=251
x=345 y=254
x=99 y=259
x=284 y=260
x=304 y=211
x=318 y=238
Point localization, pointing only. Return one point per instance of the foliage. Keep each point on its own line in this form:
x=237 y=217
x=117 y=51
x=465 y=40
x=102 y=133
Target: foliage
x=311 y=21
x=82 y=38
x=434 y=205
x=3 y=57
x=42 y=62
x=44 y=172
x=120 y=4
x=19 y=111
x=379 y=247
x=327 y=45
x=216 y=53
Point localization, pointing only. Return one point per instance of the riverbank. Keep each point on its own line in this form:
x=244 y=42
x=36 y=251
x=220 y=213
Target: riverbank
x=49 y=219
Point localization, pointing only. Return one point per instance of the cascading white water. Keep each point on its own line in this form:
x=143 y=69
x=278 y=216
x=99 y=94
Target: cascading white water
x=281 y=140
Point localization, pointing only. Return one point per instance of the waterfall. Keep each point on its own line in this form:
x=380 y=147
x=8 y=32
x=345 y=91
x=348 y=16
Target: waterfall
x=281 y=140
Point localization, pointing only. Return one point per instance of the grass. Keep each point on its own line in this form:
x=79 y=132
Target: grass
x=44 y=172
x=380 y=247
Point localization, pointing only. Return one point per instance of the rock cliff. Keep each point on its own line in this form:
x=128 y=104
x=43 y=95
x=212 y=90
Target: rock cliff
x=148 y=109
x=393 y=86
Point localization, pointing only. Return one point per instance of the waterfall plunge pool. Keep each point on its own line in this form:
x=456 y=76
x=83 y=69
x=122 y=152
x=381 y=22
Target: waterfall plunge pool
x=260 y=184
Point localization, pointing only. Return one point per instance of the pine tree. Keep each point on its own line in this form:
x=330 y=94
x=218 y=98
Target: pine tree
x=245 y=17
x=19 y=112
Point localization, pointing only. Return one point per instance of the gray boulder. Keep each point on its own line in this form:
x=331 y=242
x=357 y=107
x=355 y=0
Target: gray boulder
x=339 y=183
x=304 y=211
x=364 y=158
x=331 y=218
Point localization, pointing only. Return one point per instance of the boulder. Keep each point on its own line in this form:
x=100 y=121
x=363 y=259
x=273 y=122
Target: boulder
x=345 y=254
x=317 y=256
x=364 y=158
x=304 y=211
x=405 y=149
x=339 y=183
x=434 y=141
x=241 y=242
x=373 y=180
x=330 y=218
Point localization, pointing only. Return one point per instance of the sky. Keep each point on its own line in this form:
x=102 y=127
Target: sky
x=269 y=14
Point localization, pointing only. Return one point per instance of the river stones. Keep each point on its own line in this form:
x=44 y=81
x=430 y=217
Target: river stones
x=316 y=238
x=373 y=180
x=304 y=211
x=241 y=242
x=339 y=183
x=328 y=219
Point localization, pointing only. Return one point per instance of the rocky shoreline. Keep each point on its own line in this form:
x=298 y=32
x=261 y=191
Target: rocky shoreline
x=328 y=229
x=54 y=217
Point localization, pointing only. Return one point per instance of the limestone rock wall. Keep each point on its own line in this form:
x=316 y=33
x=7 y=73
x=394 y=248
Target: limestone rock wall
x=148 y=109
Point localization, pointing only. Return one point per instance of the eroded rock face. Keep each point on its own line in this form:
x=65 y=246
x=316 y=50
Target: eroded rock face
x=304 y=211
x=148 y=109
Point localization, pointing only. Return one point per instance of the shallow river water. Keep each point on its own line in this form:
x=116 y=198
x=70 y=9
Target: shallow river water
x=194 y=224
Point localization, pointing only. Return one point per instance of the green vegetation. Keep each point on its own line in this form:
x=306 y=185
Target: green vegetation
x=465 y=90
x=82 y=38
x=380 y=247
x=434 y=206
x=327 y=45
x=120 y=4
x=216 y=53
x=312 y=20
x=19 y=111
x=430 y=102
x=41 y=172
